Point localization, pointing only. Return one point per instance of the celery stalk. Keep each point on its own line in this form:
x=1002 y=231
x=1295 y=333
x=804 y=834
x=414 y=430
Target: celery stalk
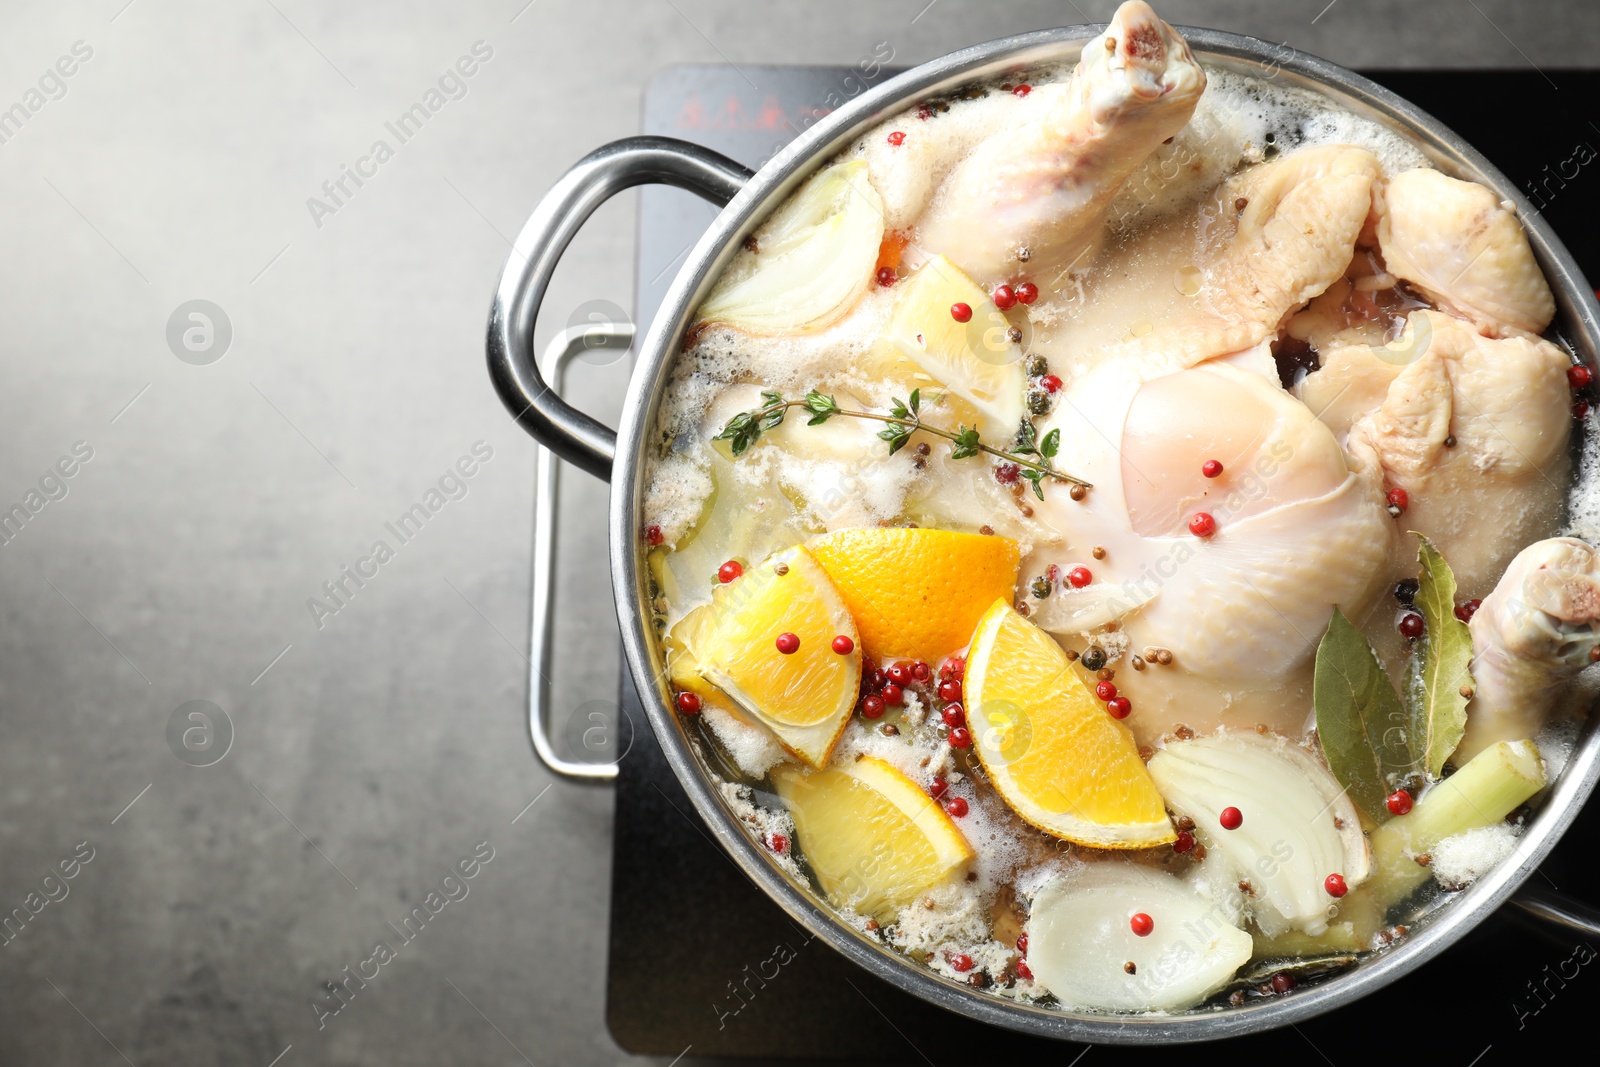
x=1491 y=786
x=1351 y=930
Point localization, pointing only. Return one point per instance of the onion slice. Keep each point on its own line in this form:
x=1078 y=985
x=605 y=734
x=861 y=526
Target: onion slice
x=1081 y=940
x=812 y=260
x=1298 y=825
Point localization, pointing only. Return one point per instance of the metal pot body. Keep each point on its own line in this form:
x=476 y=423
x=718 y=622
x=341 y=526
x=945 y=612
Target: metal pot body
x=622 y=458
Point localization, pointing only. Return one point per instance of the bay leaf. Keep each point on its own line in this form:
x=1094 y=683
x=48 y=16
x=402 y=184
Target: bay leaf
x=1363 y=728
x=1439 y=714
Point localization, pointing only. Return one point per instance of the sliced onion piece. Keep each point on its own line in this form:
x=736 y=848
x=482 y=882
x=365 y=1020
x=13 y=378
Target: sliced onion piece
x=812 y=262
x=1298 y=826
x=1081 y=940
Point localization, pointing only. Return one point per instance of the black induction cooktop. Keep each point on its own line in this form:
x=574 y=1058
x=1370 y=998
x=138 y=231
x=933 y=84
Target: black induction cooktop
x=702 y=964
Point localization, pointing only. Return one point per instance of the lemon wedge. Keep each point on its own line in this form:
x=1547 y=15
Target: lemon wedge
x=1049 y=747
x=682 y=646
x=768 y=645
x=873 y=839
x=975 y=359
x=917 y=593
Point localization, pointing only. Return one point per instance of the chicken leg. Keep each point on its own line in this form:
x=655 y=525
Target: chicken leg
x=1529 y=637
x=1033 y=199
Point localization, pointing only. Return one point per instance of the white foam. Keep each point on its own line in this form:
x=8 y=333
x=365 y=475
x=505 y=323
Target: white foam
x=754 y=750
x=1583 y=503
x=1457 y=862
x=679 y=486
x=762 y=823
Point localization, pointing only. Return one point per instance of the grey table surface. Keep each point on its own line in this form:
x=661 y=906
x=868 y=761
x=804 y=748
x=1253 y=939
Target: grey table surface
x=377 y=741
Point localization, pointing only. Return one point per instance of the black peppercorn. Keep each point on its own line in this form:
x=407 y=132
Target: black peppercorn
x=1093 y=658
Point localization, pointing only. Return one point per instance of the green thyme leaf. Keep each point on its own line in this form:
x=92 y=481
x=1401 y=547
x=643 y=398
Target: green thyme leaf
x=822 y=408
x=1051 y=445
x=916 y=401
x=966 y=444
x=741 y=432
x=897 y=443
x=1439 y=712
x=1360 y=721
x=1036 y=478
x=889 y=433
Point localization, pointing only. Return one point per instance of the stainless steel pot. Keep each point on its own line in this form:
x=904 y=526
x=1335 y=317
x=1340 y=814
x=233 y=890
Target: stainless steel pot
x=621 y=458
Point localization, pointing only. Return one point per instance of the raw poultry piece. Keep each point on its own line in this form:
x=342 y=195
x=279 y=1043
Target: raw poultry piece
x=1298 y=220
x=1529 y=637
x=1034 y=198
x=1236 y=575
x=1355 y=376
x=1474 y=429
x=1465 y=249
x=1278 y=235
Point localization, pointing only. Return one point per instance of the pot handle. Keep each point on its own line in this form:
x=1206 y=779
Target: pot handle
x=560 y=427
x=1558 y=910
x=568 y=345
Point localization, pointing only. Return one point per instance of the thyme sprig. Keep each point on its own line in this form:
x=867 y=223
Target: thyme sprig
x=903 y=420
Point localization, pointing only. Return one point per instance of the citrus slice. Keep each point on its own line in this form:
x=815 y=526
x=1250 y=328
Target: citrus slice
x=803 y=695
x=917 y=593
x=976 y=359
x=1050 y=748
x=874 y=840
x=682 y=646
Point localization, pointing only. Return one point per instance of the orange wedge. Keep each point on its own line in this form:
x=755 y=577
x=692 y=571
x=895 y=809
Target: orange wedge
x=804 y=697
x=872 y=837
x=1050 y=748
x=917 y=593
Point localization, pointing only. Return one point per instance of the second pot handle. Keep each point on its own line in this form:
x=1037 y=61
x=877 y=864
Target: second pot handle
x=1559 y=910
x=560 y=427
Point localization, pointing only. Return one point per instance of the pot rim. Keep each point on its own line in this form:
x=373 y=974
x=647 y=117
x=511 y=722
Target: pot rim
x=1577 y=313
